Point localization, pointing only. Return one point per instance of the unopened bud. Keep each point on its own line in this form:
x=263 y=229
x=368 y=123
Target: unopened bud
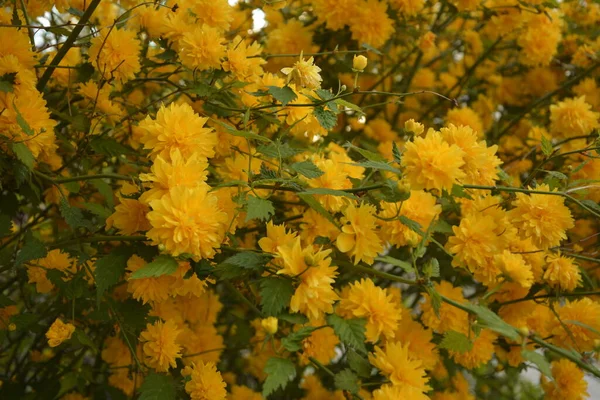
x=269 y=324
x=359 y=63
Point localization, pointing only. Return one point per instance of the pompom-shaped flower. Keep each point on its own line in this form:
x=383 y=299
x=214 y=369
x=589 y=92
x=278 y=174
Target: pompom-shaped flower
x=160 y=345
x=481 y=353
x=304 y=73
x=389 y=392
x=562 y=272
x=206 y=383
x=129 y=217
x=448 y=317
x=178 y=127
x=55 y=259
x=59 y=332
x=578 y=317
x=569 y=382
x=321 y=345
x=188 y=220
x=147 y=289
x=515 y=268
x=242 y=59
x=167 y=174
x=365 y=300
x=314 y=295
x=573 y=117
x=202 y=48
x=398 y=365
x=474 y=242
x=116 y=55
x=370 y=23
x=359 y=235
x=542 y=217
x=431 y=163
x=335 y=13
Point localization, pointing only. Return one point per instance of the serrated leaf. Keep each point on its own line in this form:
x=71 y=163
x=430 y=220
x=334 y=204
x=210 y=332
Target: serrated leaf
x=432 y=268
x=547 y=147
x=396 y=153
x=278 y=150
x=283 y=95
x=73 y=216
x=557 y=175
x=275 y=294
x=23 y=154
x=22 y=123
x=491 y=320
x=7 y=81
x=202 y=89
x=248 y=260
x=411 y=224
x=315 y=205
x=296 y=319
x=350 y=331
x=391 y=193
x=459 y=191
x=258 y=208
x=359 y=364
x=105 y=190
x=591 y=204
x=32 y=249
x=162 y=265
x=84 y=339
x=110 y=268
x=369 y=155
x=379 y=165
x=456 y=341
x=97 y=209
x=327 y=119
x=327 y=95
x=435 y=298
x=347 y=104
x=157 y=387
x=280 y=371
x=347 y=380
x=539 y=360
x=397 y=263
x=307 y=168
x=293 y=341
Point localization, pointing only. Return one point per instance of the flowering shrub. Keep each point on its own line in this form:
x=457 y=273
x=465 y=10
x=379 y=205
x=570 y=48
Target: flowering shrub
x=350 y=199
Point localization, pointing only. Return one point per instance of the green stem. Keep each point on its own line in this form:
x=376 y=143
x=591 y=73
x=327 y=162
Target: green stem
x=566 y=354
x=62 y=51
x=378 y=273
x=83 y=177
x=99 y=238
x=547 y=296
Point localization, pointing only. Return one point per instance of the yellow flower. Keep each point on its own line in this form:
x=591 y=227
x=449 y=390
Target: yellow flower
x=276 y=236
x=321 y=345
x=481 y=353
x=577 y=316
x=465 y=117
x=242 y=60
x=129 y=217
x=55 y=259
x=569 y=382
x=269 y=324
x=365 y=300
x=116 y=353
x=160 y=345
x=204 y=342
x=206 y=383
x=370 y=23
x=334 y=177
x=335 y=13
x=314 y=295
x=178 y=127
x=416 y=128
x=403 y=392
x=167 y=174
x=147 y=289
x=59 y=332
x=359 y=235
x=304 y=73
x=400 y=368
x=431 y=163
x=116 y=55
x=202 y=48
x=187 y=220
x=359 y=62
x=450 y=317
x=474 y=242
x=542 y=217
x=99 y=99
x=515 y=268
x=562 y=272
x=573 y=117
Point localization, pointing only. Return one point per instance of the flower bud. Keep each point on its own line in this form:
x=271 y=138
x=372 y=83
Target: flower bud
x=359 y=63
x=415 y=127
x=269 y=324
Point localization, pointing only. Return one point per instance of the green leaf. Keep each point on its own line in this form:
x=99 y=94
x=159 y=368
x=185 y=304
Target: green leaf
x=275 y=294
x=97 y=209
x=73 y=216
x=539 y=360
x=162 y=265
x=248 y=260
x=24 y=321
x=315 y=205
x=293 y=341
x=307 y=168
x=84 y=339
x=405 y=265
x=67 y=383
x=350 y=331
x=432 y=268
x=547 y=147
x=109 y=147
x=7 y=81
x=391 y=193
x=258 y=208
x=22 y=123
x=369 y=155
x=5 y=225
x=489 y=319
x=105 y=190
x=249 y=135
x=327 y=119
x=347 y=380
x=32 y=249
x=110 y=268
x=280 y=371
x=412 y=225
x=330 y=192
x=379 y=165
x=157 y=387
x=371 y=48
x=23 y=154
x=278 y=150
x=284 y=95
x=5 y=301
x=435 y=298
x=557 y=175
x=347 y=104
x=456 y=341
x=396 y=153
x=358 y=364
x=202 y=89
x=327 y=95
x=298 y=319
x=459 y=191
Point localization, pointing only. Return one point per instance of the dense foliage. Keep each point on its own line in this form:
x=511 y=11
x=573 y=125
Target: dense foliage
x=316 y=199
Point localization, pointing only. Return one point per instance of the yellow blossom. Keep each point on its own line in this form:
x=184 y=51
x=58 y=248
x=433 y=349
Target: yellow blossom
x=160 y=345
x=59 y=332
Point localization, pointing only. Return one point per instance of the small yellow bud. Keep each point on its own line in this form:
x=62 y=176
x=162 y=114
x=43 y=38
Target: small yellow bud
x=12 y=327
x=524 y=331
x=415 y=127
x=269 y=324
x=359 y=63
